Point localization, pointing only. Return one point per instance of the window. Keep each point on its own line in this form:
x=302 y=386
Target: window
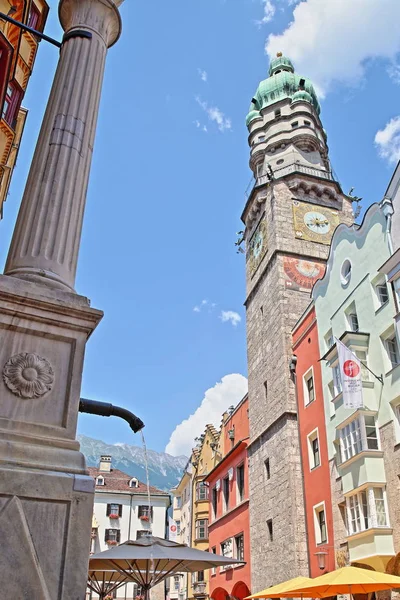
x=176 y=582
x=261 y=138
x=202 y=529
x=366 y=509
x=114 y=510
x=320 y=524
x=145 y=511
x=280 y=161
x=353 y=321
x=313 y=450
x=359 y=435
x=382 y=293
x=214 y=570
x=392 y=350
x=266 y=390
x=226 y=548
x=214 y=502
x=260 y=169
x=178 y=527
x=134 y=482
x=12 y=103
x=337 y=382
x=143 y=533
x=240 y=483
x=345 y=272
x=362 y=356
x=112 y=535
x=329 y=340
x=225 y=491
x=307 y=123
x=270 y=530
x=33 y=17
x=267 y=468
x=309 y=388
x=178 y=502
x=239 y=547
x=295 y=124
x=201 y=491
x=277 y=113
x=100 y=480
x=200 y=576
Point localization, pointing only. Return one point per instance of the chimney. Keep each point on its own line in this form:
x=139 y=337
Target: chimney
x=105 y=463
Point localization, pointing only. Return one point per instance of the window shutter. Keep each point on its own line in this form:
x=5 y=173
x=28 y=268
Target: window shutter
x=107 y=536
x=140 y=511
x=108 y=513
x=118 y=535
x=120 y=510
x=151 y=513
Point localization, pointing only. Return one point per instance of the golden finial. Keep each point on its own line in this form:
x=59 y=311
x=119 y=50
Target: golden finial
x=279 y=54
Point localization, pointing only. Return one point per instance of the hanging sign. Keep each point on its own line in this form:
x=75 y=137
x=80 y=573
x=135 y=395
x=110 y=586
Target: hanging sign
x=350 y=374
x=172 y=529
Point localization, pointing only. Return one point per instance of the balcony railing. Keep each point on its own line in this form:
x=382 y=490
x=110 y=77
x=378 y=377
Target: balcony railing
x=295 y=167
x=200 y=589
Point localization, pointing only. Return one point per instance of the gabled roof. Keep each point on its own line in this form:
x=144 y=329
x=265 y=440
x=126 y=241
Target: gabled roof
x=118 y=481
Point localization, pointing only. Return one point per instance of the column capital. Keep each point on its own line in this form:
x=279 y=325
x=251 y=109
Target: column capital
x=99 y=16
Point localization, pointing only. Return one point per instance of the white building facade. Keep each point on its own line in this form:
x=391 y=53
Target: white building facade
x=122 y=512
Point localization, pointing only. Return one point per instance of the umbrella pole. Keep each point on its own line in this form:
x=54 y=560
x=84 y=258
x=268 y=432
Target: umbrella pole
x=146 y=592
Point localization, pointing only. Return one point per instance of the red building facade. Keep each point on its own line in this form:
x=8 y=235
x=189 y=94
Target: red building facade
x=229 y=530
x=313 y=443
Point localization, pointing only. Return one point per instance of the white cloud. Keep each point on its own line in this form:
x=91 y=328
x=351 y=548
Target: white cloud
x=197 y=123
x=216 y=115
x=387 y=140
x=230 y=316
x=331 y=41
x=204 y=304
x=227 y=392
x=205 y=129
x=203 y=74
x=394 y=72
x=269 y=12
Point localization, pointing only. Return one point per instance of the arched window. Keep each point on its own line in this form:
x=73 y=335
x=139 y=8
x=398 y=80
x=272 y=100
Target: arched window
x=133 y=482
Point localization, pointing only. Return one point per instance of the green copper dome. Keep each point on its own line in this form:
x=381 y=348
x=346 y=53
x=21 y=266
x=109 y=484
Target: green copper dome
x=302 y=95
x=282 y=83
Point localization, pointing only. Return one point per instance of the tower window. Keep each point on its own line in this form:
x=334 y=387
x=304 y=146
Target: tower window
x=280 y=161
x=345 y=272
x=307 y=123
x=277 y=113
x=268 y=468
x=261 y=138
x=295 y=124
x=270 y=530
x=353 y=321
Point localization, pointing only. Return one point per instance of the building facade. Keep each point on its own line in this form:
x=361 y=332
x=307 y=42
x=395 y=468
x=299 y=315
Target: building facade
x=182 y=516
x=228 y=529
x=306 y=369
x=121 y=512
x=204 y=458
x=18 y=52
x=290 y=214
x=353 y=304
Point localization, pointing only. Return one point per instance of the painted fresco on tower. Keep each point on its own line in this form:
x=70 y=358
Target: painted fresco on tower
x=301 y=274
x=257 y=246
x=314 y=223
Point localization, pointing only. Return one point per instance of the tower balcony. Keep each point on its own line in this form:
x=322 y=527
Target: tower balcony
x=294 y=167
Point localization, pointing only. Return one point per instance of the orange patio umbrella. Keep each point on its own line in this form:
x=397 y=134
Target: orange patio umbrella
x=282 y=590
x=347 y=580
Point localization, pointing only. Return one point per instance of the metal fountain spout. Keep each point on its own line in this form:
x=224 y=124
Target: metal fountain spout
x=105 y=409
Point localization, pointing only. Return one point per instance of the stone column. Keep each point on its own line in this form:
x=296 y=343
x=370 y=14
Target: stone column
x=45 y=245
x=46 y=495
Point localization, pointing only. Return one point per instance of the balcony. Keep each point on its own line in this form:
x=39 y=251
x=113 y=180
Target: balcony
x=200 y=589
x=295 y=167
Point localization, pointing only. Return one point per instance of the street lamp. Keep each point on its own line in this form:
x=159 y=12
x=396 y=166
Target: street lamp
x=321 y=557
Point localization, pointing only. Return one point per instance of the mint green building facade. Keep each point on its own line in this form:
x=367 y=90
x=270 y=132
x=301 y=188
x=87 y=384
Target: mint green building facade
x=354 y=303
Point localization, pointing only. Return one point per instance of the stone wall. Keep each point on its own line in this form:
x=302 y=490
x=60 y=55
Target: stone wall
x=391 y=459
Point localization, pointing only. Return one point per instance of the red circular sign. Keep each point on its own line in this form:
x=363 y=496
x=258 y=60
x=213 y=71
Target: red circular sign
x=351 y=368
x=173 y=528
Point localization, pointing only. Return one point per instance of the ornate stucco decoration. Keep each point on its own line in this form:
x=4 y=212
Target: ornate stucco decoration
x=28 y=375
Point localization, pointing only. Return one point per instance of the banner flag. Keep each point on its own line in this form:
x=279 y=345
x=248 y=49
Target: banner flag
x=172 y=529
x=350 y=375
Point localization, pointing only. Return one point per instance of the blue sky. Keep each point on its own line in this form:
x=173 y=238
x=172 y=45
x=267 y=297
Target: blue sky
x=168 y=177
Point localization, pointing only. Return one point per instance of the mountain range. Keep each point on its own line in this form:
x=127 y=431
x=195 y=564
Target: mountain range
x=165 y=471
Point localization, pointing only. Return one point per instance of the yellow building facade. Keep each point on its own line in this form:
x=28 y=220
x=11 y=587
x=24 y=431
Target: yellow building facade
x=18 y=50
x=204 y=458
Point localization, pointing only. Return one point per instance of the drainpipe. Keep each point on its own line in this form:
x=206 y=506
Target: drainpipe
x=293 y=376
x=104 y=409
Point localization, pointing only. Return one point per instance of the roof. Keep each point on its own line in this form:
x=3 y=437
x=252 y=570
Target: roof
x=118 y=481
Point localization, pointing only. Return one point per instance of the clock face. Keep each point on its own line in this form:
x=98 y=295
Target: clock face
x=257 y=247
x=301 y=274
x=314 y=223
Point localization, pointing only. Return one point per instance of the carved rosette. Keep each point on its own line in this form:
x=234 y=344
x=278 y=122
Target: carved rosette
x=28 y=375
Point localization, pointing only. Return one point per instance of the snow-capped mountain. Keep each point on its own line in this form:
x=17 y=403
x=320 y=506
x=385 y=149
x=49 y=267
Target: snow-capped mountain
x=165 y=470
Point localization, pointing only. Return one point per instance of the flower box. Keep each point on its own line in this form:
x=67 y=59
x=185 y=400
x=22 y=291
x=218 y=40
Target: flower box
x=112 y=542
x=144 y=518
x=114 y=516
